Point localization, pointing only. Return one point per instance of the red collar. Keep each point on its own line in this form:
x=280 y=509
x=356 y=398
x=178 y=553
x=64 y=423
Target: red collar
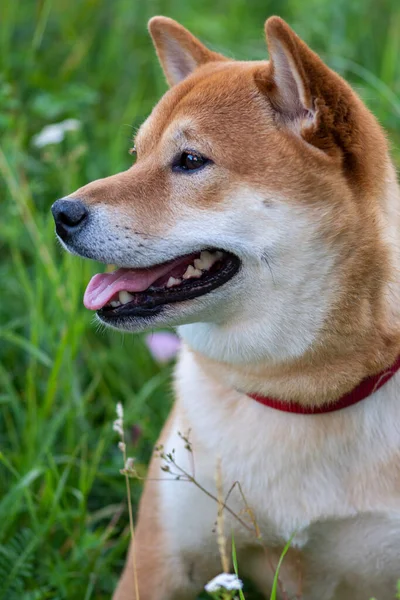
x=360 y=392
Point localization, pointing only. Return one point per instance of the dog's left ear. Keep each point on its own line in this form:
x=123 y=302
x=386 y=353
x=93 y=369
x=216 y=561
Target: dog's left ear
x=303 y=91
x=311 y=100
x=290 y=86
x=179 y=52
x=306 y=95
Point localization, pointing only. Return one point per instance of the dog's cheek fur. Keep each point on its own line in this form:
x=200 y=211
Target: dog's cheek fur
x=287 y=283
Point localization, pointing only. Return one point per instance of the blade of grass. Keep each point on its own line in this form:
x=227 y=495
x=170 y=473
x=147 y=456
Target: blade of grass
x=276 y=576
x=235 y=565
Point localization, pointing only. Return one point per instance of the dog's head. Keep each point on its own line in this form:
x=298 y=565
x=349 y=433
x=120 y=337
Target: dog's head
x=251 y=213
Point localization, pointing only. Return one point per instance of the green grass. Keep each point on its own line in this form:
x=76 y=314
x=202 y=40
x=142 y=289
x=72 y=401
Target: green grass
x=63 y=517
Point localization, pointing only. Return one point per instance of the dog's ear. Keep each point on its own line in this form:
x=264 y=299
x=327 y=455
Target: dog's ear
x=292 y=79
x=179 y=52
x=290 y=89
x=305 y=94
x=316 y=104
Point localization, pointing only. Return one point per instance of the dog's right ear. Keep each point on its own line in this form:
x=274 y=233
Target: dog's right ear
x=179 y=52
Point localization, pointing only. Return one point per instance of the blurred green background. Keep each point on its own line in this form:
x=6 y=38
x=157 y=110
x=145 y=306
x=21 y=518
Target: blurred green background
x=63 y=518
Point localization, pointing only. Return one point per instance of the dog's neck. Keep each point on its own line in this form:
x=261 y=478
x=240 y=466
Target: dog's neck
x=366 y=344
x=306 y=382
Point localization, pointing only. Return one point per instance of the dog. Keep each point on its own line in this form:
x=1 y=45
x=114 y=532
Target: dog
x=261 y=218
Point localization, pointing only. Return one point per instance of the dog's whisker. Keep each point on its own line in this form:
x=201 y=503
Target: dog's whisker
x=265 y=257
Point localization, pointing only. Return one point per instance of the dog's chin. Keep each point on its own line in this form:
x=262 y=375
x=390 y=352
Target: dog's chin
x=183 y=293
x=168 y=315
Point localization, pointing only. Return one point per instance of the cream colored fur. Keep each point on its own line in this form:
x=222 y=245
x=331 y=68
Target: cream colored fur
x=324 y=477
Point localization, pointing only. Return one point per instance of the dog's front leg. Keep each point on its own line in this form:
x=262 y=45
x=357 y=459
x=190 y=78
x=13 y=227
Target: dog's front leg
x=161 y=574
x=176 y=552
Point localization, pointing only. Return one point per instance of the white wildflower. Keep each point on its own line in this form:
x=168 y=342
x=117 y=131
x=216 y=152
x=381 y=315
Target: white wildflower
x=120 y=410
x=122 y=446
x=118 y=426
x=224 y=581
x=55 y=133
x=129 y=465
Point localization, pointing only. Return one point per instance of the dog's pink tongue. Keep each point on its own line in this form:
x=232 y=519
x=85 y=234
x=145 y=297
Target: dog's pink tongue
x=104 y=286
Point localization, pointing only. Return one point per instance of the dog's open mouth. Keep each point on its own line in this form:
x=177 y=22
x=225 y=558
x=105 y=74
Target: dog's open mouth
x=137 y=292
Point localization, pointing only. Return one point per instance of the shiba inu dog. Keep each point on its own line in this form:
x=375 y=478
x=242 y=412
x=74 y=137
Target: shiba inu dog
x=262 y=218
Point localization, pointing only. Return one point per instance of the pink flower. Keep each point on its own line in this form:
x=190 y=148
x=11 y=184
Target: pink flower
x=163 y=345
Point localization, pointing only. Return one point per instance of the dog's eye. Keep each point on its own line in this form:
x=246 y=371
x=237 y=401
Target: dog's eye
x=190 y=161
x=132 y=151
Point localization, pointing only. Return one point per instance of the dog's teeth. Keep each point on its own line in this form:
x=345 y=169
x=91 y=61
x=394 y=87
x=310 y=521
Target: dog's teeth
x=198 y=263
x=115 y=303
x=206 y=255
x=206 y=260
x=172 y=281
x=125 y=297
x=191 y=272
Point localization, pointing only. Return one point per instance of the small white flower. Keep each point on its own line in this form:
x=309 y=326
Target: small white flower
x=129 y=465
x=122 y=446
x=224 y=581
x=55 y=133
x=118 y=426
x=120 y=410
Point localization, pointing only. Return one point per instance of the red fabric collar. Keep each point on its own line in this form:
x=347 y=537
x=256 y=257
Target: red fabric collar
x=360 y=392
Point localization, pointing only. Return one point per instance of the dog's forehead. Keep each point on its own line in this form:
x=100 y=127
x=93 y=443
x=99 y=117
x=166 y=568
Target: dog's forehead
x=215 y=94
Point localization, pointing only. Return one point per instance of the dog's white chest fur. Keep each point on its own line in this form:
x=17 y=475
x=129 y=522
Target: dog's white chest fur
x=331 y=478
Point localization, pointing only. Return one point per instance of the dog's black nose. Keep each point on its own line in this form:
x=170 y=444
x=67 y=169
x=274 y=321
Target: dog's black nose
x=69 y=215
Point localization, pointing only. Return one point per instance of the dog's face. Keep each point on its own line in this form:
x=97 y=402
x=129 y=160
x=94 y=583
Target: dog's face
x=251 y=181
